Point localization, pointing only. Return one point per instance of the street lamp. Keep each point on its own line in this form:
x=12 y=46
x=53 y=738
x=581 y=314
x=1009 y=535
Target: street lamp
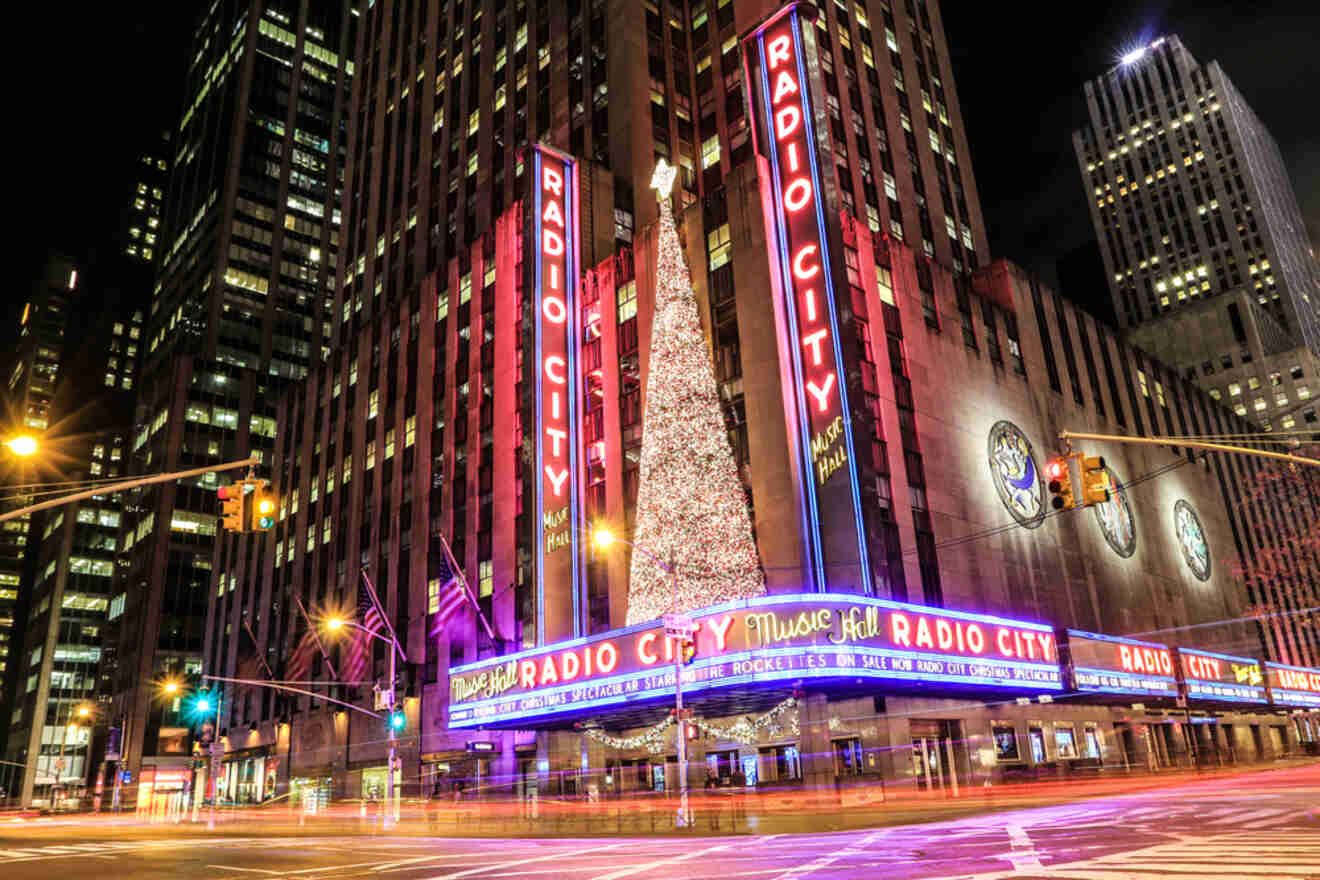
x=22 y=445
x=395 y=718
x=603 y=538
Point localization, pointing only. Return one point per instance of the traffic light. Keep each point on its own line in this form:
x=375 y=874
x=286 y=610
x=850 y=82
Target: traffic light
x=233 y=506
x=689 y=651
x=262 y=507
x=397 y=719
x=1060 y=484
x=1095 y=480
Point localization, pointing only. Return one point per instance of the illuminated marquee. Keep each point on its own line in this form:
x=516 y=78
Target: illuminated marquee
x=554 y=241
x=1293 y=685
x=1209 y=676
x=820 y=426
x=1100 y=664
x=763 y=641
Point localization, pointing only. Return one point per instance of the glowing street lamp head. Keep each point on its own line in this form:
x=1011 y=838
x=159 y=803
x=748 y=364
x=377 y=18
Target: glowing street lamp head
x=83 y=711
x=334 y=623
x=23 y=445
x=171 y=688
x=1133 y=56
x=602 y=538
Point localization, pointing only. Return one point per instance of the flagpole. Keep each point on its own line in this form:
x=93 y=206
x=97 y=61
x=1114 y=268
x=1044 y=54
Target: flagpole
x=458 y=570
x=371 y=590
x=264 y=665
x=334 y=673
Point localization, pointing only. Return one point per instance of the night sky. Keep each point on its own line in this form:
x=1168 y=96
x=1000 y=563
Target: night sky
x=111 y=77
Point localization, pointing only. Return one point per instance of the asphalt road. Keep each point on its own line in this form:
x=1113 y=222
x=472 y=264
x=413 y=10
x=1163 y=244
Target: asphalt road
x=1259 y=826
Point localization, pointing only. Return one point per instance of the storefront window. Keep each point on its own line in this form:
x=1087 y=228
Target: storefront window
x=1037 y=737
x=1006 y=744
x=1092 y=743
x=1065 y=742
x=779 y=763
x=847 y=756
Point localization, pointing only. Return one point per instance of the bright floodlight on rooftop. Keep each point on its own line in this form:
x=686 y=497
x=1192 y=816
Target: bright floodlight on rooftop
x=1134 y=55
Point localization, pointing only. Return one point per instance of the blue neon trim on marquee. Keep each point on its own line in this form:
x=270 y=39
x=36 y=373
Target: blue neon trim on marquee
x=751 y=603
x=1247 y=660
x=467 y=715
x=1119 y=640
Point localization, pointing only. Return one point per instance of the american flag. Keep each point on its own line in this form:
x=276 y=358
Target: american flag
x=300 y=662
x=359 y=652
x=451 y=595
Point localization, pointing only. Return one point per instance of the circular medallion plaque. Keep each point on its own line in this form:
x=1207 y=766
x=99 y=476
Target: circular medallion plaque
x=1013 y=468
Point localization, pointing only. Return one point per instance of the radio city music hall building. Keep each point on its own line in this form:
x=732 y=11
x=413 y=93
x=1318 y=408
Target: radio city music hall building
x=890 y=401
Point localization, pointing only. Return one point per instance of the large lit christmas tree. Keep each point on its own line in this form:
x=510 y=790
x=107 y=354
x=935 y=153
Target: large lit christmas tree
x=691 y=512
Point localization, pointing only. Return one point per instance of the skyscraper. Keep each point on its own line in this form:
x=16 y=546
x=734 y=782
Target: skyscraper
x=31 y=373
x=1204 y=245
x=59 y=715
x=248 y=240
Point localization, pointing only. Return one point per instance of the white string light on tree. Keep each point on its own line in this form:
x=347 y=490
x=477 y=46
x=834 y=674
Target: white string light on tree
x=691 y=510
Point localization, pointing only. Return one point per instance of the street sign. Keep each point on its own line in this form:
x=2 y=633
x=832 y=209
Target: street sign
x=481 y=746
x=384 y=698
x=679 y=625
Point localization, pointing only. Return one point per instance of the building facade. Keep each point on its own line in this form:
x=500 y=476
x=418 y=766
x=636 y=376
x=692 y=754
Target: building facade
x=249 y=236
x=416 y=427
x=1204 y=246
x=59 y=723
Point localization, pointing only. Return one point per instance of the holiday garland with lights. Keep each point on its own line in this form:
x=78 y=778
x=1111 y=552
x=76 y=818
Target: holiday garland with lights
x=748 y=730
x=691 y=511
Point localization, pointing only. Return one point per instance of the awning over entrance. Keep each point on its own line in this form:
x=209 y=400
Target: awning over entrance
x=750 y=655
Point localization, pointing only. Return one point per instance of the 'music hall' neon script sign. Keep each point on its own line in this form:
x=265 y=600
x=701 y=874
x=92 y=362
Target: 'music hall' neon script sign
x=801 y=261
x=766 y=640
x=555 y=234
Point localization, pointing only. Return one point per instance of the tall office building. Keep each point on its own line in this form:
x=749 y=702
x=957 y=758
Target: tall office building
x=1204 y=246
x=31 y=373
x=59 y=714
x=500 y=154
x=141 y=220
x=245 y=265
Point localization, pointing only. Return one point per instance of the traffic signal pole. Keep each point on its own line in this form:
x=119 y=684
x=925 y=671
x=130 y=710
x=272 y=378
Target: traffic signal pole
x=1067 y=436
x=124 y=485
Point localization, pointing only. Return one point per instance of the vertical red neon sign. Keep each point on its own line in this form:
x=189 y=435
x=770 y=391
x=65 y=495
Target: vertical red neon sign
x=558 y=394
x=809 y=333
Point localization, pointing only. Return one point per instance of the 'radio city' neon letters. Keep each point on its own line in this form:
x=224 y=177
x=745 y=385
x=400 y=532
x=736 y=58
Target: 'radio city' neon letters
x=554 y=235
x=820 y=427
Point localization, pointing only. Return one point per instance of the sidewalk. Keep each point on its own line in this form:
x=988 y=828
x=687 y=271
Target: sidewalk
x=719 y=812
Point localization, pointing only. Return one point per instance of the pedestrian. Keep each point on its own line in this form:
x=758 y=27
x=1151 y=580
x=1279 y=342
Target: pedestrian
x=712 y=781
x=738 y=782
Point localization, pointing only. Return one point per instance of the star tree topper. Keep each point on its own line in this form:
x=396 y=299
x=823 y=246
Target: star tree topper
x=662 y=179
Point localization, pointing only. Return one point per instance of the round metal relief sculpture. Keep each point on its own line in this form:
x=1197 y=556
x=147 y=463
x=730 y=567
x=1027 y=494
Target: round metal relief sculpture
x=1115 y=519
x=1191 y=538
x=1013 y=468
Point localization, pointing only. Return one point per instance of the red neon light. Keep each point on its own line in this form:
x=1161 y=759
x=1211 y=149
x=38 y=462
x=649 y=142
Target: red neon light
x=956 y=636
x=554 y=344
x=1150 y=661
x=1203 y=667
x=1299 y=680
